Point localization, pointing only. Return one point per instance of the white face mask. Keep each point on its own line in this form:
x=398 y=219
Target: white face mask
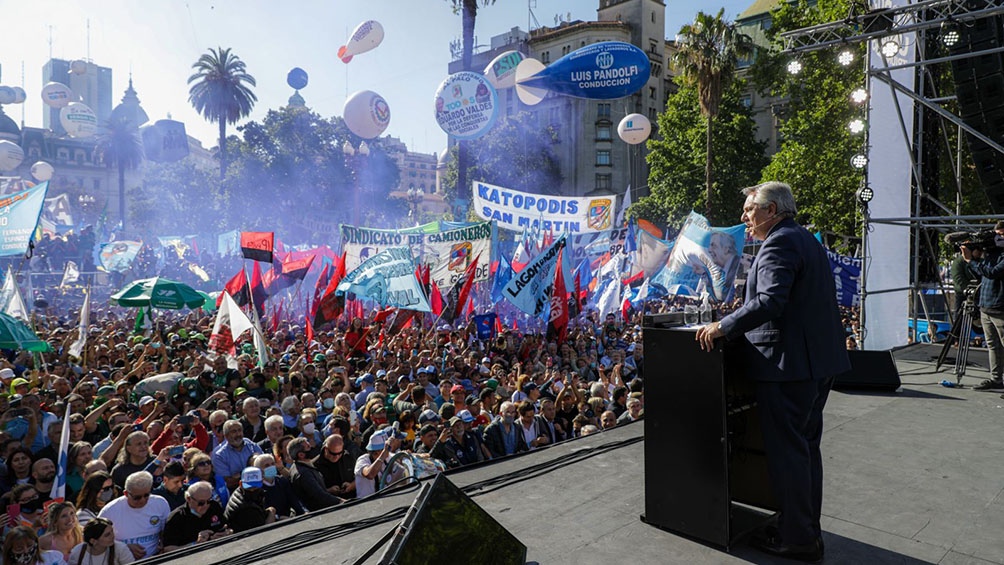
x=308 y=428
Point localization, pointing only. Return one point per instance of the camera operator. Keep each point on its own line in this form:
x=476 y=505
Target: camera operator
x=962 y=278
x=988 y=262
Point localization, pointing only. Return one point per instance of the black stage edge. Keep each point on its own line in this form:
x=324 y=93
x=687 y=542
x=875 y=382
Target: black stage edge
x=928 y=352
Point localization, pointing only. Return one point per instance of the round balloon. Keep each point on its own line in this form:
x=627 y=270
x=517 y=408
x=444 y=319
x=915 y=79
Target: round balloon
x=366 y=37
x=297 y=78
x=78 y=67
x=42 y=171
x=366 y=114
x=466 y=105
x=19 y=95
x=78 y=120
x=11 y=155
x=57 y=95
x=501 y=72
x=634 y=129
x=7 y=95
x=526 y=70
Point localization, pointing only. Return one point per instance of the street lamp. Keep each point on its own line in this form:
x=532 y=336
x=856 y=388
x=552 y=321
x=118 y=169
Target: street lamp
x=353 y=162
x=86 y=201
x=414 y=197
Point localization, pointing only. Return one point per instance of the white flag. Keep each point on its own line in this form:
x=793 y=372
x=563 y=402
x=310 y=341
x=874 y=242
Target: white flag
x=231 y=322
x=625 y=203
x=62 y=466
x=85 y=317
x=70 y=275
x=259 y=340
x=610 y=300
x=10 y=298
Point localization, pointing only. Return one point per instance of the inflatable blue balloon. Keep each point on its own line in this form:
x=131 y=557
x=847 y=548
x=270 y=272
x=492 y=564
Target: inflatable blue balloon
x=601 y=71
x=297 y=78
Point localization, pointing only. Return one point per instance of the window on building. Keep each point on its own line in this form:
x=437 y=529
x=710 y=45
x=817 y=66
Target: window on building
x=63 y=154
x=746 y=100
x=79 y=156
x=651 y=92
x=656 y=70
x=602 y=157
x=545 y=57
x=653 y=115
x=603 y=181
x=653 y=46
x=34 y=152
x=96 y=184
x=603 y=110
x=603 y=132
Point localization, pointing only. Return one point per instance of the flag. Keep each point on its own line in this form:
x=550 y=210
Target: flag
x=258 y=245
x=237 y=288
x=319 y=286
x=58 y=492
x=610 y=298
x=625 y=204
x=401 y=321
x=520 y=257
x=456 y=299
x=70 y=275
x=436 y=300
x=502 y=277
x=144 y=321
x=231 y=322
x=258 y=293
x=485 y=324
x=199 y=272
x=331 y=303
x=11 y=301
x=384 y=314
x=309 y=332
x=296 y=269
x=277 y=315
x=641 y=294
x=85 y=317
x=530 y=290
x=387 y=278
x=557 y=324
x=630 y=243
x=259 y=340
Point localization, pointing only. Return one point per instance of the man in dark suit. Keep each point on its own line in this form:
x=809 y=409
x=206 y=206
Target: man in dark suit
x=789 y=336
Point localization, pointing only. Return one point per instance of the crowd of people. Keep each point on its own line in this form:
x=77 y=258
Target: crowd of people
x=172 y=445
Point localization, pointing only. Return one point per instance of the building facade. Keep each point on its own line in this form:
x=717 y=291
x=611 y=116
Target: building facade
x=93 y=85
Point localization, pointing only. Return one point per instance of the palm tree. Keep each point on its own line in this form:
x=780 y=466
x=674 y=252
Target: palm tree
x=219 y=91
x=468 y=14
x=119 y=145
x=709 y=49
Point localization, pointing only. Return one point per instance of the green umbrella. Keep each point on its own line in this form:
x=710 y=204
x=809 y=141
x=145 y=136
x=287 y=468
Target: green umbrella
x=210 y=304
x=15 y=334
x=158 y=292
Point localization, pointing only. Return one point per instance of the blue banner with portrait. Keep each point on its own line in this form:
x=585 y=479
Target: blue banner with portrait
x=703 y=259
x=846 y=277
x=19 y=213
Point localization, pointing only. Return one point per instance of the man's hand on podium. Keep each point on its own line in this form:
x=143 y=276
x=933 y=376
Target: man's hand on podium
x=707 y=335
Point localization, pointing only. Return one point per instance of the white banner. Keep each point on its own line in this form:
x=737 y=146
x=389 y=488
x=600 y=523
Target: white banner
x=448 y=253
x=359 y=244
x=515 y=210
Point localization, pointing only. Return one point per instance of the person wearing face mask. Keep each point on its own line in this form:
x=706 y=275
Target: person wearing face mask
x=279 y=492
x=501 y=436
x=989 y=264
x=246 y=506
x=199 y=520
x=100 y=546
x=31 y=506
x=20 y=547
x=98 y=490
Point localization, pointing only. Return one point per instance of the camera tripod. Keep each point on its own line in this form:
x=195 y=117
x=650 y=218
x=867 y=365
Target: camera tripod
x=961 y=331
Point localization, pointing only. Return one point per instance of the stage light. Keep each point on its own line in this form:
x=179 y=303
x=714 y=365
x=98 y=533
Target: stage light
x=857 y=125
x=859 y=161
x=846 y=57
x=890 y=48
x=859 y=96
x=865 y=194
x=794 y=66
x=950 y=33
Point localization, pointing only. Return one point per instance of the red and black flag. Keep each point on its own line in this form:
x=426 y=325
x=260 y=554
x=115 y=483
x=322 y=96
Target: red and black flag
x=330 y=306
x=557 y=323
x=457 y=297
x=297 y=269
x=319 y=286
x=401 y=321
x=258 y=293
x=238 y=289
x=258 y=245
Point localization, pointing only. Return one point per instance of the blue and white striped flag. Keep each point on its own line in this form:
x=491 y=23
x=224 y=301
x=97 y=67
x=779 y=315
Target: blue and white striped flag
x=58 y=492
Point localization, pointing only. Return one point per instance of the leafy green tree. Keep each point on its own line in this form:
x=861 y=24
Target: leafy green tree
x=709 y=50
x=677 y=160
x=220 y=92
x=119 y=145
x=177 y=190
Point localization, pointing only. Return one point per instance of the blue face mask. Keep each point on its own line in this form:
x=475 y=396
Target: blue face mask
x=328 y=403
x=270 y=473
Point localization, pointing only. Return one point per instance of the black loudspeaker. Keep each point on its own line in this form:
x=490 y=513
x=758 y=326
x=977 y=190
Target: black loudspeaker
x=870 y=370
x=979 y=87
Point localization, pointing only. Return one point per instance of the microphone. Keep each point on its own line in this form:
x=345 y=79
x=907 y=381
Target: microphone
x=765 y=220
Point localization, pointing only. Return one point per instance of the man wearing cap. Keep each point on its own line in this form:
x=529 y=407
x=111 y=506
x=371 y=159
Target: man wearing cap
x=411 y=398
x=422 y=375
x=465 y=447
x=371 y=464
x=336 y=467
x=199 y=520
x=458 y=397
x=230 y=458
x=19 y=386
x=246 y=506
x=365 y=382
x=308 y=483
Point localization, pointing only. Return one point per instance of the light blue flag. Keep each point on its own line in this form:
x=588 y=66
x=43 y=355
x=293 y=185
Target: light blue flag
x=19 y=213
x=703 y=259
x=502 y=277
x=530 y=289
x=387 y=278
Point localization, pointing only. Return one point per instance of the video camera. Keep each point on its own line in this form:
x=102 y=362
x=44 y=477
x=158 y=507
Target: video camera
x=981 y=240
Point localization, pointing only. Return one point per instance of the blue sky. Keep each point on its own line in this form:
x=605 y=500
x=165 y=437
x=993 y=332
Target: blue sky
x=160 y=39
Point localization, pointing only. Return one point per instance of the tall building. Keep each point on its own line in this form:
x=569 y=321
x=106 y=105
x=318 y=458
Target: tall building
x=92 y=83
x=593 y=159
x=768 y=111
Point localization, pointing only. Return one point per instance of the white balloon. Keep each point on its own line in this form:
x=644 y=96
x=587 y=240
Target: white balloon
x=78 y=67
x=42 y=171
x=57 y=95
x=19 y=95
x=78 y=120
x=529 y=95
x=11 y=155
x=634 y=129
x=366 y=114
x=501 y=72
x=7 y=95
x=365 y=37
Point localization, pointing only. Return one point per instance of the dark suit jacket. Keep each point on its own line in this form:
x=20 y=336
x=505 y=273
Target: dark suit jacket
x=789 y=327
x=546 y=430
x=308 y=484
x=495 y=441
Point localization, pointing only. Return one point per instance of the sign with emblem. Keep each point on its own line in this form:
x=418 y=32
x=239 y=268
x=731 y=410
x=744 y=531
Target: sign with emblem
x=515 y=210
x=448 y=253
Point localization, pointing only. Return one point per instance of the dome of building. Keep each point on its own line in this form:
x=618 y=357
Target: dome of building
x=445 y=157
x=130 y=110
x=8 y=128
x=297 y=100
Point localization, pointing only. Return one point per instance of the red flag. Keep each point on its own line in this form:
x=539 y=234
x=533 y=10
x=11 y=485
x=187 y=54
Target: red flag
x=258 y=293
x=319 y=286
x=401 y=321
x=578 y=293
x=640 y=275
x=330 y=305
x=238 y=289
x=436 y=300
x=470 y=309
x=498 y=325
x=297 y=269
x=457 y=298
x=277 y=316
x=384 y=314
x=557 y=325
x=258 y=245
x=309 y=331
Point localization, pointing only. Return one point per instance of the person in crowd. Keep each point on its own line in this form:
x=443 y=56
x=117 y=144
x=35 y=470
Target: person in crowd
x=172 y=486
x=371 y=464
x=140 y=515
x=501 y=436
x=134 y=457
x=200 y=468
x=245 y=508
x=97 y=491
x=792 y=344
x=20 y=547
x=199 y=520
x=633 y=413
x=308 y=483
x=463 y=444
x=548 y=426
x=274 y=429
x=18 y=465
x=989 y=265
x=99 y=546
x=279 y=492
x=63 y=532
x=230 y=458
x=336 y=468
x=528 y=427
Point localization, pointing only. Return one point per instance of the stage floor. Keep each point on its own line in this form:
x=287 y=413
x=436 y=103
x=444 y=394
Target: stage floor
x=911 y=477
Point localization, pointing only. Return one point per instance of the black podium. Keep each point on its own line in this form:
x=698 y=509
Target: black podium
x=705 y=469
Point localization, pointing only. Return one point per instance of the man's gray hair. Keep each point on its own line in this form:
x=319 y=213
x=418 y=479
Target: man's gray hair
x=250 y=400
x=297 y=446
x=201 y=487
x=231 y=424
x=273 y=420
x=773 y=191
x=140 y=480
x=596 y=390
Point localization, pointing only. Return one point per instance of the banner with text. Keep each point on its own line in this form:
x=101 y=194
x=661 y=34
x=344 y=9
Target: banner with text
x=515 y=210
x=359 y=244
x=530 y=289
x=19 y=213
x=448 y=253
x=387 y=278
x=593 y=245
x=847 y=278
